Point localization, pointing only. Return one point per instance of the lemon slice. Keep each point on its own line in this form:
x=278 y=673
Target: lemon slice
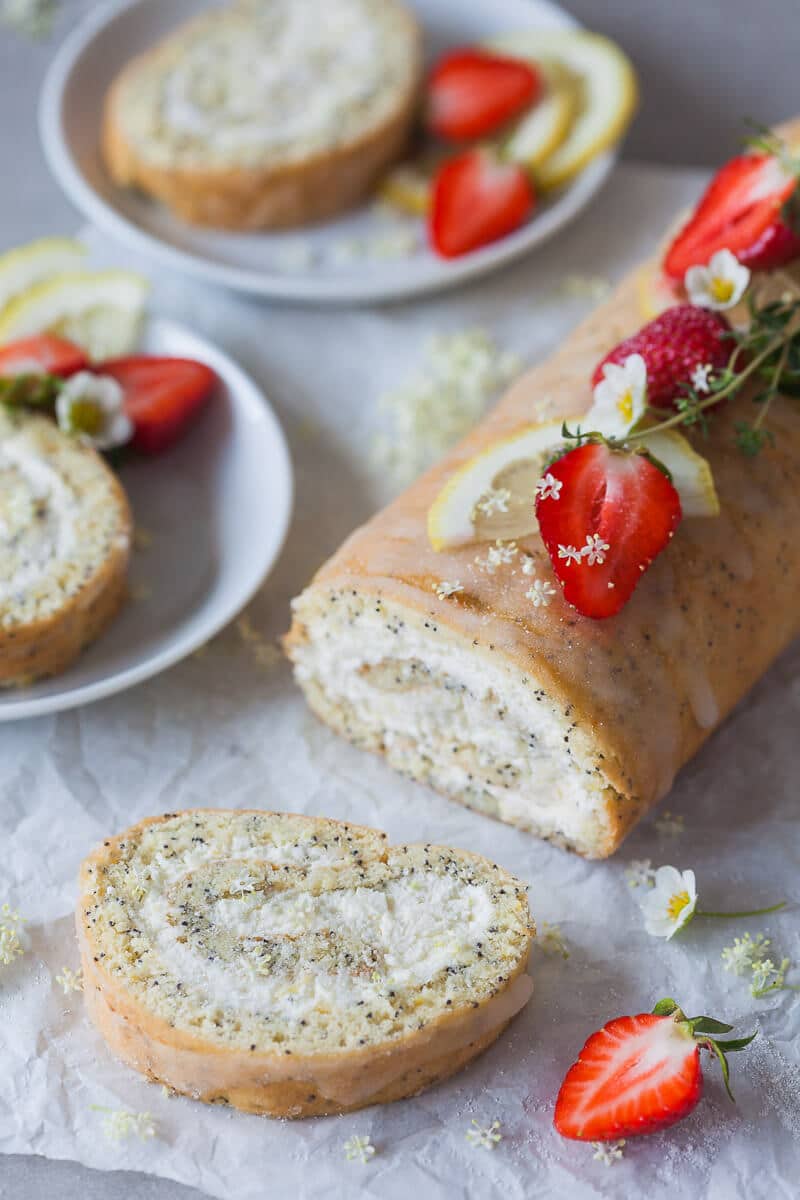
x=655 y=292
x=100 y=310
x=27 y=265
x=407 y=187
x=492 y=496
x=691 y=473
x=545 y=127
x=608 y=93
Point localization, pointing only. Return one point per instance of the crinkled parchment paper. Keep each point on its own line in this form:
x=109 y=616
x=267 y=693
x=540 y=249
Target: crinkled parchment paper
x=223 y=729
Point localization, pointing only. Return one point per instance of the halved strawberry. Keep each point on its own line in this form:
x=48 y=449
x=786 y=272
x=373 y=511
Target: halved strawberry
x=43 y=353
x=614 y=513
x=476 y=200
x=640 y=1074
x=162 y=396
x=673 y=345
x=739 y=209
x=472 y=93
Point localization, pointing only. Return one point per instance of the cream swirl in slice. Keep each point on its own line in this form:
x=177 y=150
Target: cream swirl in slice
x=37 y=518
x=291 y=77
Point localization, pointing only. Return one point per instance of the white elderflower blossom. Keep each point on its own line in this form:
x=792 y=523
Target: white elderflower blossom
x=608 y=1152
x=10 y=942
x=444 y=589
x=745 y=952
x=720 y=285
x=460 y=374
x=548 y=487
x=358 y=1149
x=70 y=981
x=595 y=549
x=570 y=554
x=701 y=377
x=120 y=1123
x=640 y=873
x=670 y=824
x=486 y=1136
x=551 y=941
x=540 y=593
x=499 y=555
x=495 y=500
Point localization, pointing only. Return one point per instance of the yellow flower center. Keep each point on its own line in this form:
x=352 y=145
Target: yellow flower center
x=625 y=406
x=721 y=289
x=677 y=904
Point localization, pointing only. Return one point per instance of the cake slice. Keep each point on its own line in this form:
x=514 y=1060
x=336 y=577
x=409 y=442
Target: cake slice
x=297 y=966
x=65 y=534
x=267 y=113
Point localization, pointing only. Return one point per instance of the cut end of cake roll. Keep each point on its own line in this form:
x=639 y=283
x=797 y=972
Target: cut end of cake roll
x=267 y=115
x=297 y=966
x=65 y=536
x=448 y=709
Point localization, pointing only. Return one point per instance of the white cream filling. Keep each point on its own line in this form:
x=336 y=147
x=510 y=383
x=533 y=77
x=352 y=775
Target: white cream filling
x=289 y=78
x=410 y=929
x=450 y=715
x=38 y=514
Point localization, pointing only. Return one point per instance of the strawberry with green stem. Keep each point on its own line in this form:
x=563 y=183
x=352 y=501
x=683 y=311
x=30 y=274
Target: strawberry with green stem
x=640 y=1074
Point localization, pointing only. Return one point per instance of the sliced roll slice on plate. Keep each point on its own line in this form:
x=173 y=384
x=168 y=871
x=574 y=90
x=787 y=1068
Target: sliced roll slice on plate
x=65 y=536
x=267 y=115
x=297 y=966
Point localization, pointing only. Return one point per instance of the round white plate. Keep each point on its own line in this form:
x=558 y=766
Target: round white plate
x=201 y=502
x=326 y=263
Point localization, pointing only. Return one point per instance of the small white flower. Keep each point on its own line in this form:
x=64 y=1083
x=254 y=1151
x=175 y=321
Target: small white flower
x=358 y=1148
x=671 y=902
x=720 y=285
x=640 y=873
x=745 y=952
x=485 y=1136
x=495 y=500
x=620 y=398
x=264 y=652
x=91 y=408
x=701 y=376
x=10 y=942
x=551 y=940
x=595 y=549
x=767 y=977
x=585 y=287
x=549 y=488
x=608 y=1152
x=119 y=1124
x=70 y=981
x=445 y=588
x=540 y=593
x=570 y=554
x=499 y=555
x=528 y=565
x=670 y=824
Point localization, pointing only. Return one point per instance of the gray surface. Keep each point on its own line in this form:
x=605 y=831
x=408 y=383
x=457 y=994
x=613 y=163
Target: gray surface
x=703 y=67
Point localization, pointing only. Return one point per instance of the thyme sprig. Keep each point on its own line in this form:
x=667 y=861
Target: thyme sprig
x=766 y=352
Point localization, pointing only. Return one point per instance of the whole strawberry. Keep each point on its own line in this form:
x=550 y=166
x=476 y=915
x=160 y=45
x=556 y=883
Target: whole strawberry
x=640 y=1074
x=673 y=346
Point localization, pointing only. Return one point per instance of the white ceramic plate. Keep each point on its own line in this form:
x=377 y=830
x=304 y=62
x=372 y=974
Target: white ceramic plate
x=273 y=264
x=201 y=501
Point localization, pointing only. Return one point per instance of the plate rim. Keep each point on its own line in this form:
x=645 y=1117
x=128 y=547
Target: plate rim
x=277 y=285
x=184 y=644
